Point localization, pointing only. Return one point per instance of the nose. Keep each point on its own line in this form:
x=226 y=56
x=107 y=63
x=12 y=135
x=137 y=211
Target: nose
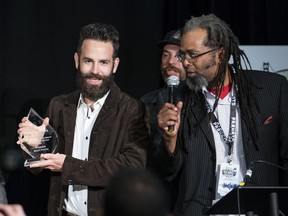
x=185 y=62
x=172 y=59
x=94 y=69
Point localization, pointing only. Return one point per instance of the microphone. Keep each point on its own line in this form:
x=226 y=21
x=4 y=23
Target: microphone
x=248 y=174
x=172 y=83
x=249 y=171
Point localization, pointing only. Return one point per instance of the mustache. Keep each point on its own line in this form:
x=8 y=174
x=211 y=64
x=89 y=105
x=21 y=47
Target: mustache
x=91 y=76
x=171 y=67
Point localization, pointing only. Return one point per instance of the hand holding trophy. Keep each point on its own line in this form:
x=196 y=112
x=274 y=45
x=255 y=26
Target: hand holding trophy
x=36 y=136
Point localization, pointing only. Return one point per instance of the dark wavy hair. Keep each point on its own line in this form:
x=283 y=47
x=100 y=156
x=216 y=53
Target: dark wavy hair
x=101 y=32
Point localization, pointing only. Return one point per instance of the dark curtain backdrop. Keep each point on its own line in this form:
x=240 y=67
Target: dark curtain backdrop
x=38 y=39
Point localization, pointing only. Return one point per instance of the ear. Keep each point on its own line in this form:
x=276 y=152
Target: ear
x=76 y=60
x=116 y=63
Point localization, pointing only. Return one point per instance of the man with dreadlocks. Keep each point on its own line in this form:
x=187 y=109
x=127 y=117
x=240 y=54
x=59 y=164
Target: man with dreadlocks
x=228 y=117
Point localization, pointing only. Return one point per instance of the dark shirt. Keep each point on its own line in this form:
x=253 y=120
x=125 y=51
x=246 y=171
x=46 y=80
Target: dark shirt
x=150 y=99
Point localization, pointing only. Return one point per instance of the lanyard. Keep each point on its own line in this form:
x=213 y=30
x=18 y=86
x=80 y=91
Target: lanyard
x=231 y=135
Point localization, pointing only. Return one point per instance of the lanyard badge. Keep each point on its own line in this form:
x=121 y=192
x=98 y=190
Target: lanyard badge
x=228 y=178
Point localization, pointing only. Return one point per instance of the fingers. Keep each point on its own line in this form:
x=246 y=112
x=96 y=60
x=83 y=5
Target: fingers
x=54 y=162
x=179 y=106
x=169 y=115
x=47 y=156
x=21 y=126
x=31 y=133
x=40 y=163
x=25 y=123
x=46 y=121
x=44 y=162
x=24 y=119
x=11 y=210
x=20 y=136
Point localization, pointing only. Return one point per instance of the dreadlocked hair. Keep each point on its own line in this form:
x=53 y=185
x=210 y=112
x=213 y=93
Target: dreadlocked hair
x=219 y=35
x=188 y=125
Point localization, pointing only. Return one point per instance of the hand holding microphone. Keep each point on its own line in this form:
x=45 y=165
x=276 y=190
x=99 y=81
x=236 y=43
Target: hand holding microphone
x=169 y=115
x=172 y=83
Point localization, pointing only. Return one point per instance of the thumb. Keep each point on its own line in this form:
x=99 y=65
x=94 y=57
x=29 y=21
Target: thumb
x=46 y=121
x=179 y=106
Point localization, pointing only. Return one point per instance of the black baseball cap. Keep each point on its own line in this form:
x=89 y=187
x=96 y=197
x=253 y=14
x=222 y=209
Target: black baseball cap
x=172 y=37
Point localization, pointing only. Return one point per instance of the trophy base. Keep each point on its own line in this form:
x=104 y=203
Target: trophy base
x=30 y=161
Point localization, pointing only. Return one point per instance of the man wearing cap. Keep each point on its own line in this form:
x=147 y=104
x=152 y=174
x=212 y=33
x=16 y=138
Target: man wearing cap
x=169 y=66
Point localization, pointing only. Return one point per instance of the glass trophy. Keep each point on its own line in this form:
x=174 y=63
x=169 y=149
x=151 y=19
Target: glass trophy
x=38 y=138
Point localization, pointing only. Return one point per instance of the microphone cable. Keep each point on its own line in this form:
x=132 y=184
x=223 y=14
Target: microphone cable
x=249 y=171
x=248 y=176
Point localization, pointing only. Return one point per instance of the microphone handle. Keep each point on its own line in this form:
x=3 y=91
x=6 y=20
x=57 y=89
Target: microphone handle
x=171 y=100
x=170 y=128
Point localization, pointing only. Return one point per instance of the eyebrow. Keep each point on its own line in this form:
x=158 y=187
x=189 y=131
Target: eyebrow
x=90 y=59
x=190 y=51
x=84 y=58
x=164 y=50
x=106 y=59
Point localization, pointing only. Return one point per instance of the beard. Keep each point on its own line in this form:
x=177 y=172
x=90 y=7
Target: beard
x=93 y=92
x=196 y=83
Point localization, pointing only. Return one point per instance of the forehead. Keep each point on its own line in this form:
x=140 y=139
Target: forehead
x=96 y=47
x=193 y=40
x=171 y=47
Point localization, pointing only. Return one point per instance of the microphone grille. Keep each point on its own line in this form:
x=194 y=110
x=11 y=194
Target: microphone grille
x=172 y=81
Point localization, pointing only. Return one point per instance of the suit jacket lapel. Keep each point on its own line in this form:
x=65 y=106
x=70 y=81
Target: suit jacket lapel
x=105 y=115
x=204 y=123
x=69 y=120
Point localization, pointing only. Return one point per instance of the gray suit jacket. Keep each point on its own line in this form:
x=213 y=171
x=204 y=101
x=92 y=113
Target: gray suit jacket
x=194 y=162
x=119 y=139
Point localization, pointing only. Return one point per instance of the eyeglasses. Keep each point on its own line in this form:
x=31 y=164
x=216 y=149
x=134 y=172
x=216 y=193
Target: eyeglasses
x=181 y=56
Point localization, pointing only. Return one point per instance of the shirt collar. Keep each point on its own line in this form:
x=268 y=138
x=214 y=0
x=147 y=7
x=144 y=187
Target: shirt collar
x=99 y=101
x=206 y=92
